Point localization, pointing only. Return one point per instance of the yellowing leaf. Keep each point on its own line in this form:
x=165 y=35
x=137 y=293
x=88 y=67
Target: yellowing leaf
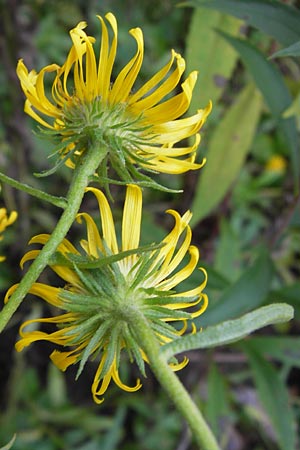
x=210 y=54
x=227 y=150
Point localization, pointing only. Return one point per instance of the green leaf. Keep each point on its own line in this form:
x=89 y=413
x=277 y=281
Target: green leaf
x=228 y=147
x=294 y=110
x=279 y=20
x=276 y=94
x=274 y=397
x=111 y=440
x=265 y=74
x=291 y=50
x=289 y=293
x=248 y=292
x=209 y=54
x=217 y=408
x=231 y=330
x=227 y=252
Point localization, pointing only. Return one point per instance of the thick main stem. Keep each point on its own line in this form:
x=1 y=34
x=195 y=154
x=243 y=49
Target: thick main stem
x=171 y=384
x=85 y=168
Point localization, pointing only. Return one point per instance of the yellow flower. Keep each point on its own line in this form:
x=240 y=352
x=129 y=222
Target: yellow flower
x=107 y=281
x=138 y=128
x=5 y=221
x=276 y=163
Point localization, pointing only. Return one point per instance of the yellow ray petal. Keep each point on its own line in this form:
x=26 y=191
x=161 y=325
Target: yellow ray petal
x=116 y=378
x=165 y=88
x=28 y=257
x=63 y=360
x=107 y=57
x=179 y=366
x=94 y=239
x=174 y=166
x=126 y=78
x=150 y=84
x=169 y=150
x=187 y=270
x=175 y=106
x=132 y=214
x=107 y=221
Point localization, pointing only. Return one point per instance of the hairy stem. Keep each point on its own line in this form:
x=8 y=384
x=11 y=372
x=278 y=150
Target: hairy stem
x=170 y=382
x=85 y=168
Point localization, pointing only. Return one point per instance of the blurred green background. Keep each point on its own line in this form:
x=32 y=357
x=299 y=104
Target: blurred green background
x=246 y=223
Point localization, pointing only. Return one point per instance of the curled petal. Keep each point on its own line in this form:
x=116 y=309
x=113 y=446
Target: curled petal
x=94 y=239
x=126 y=78
x=179 y=366
x=63 y=360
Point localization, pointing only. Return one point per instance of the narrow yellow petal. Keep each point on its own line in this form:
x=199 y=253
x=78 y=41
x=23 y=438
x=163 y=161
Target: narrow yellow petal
x=107 y=221
x=107 y=56
x=116 y=378
x=174 y=107
x=179 y=366
x=94 y=239
x=96 y=391
x=169 y=150
x=28 y=257
x=174 y=166
x=203 y=307
x=165 y=88
x=10 y=292
x=186 y=271
x=126 y=78
x=150 y=84
x=132 y=214
x=48 y=293
x=63 y=360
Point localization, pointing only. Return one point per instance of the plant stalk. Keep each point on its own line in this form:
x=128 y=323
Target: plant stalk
x=171 y=383
x=84 y=169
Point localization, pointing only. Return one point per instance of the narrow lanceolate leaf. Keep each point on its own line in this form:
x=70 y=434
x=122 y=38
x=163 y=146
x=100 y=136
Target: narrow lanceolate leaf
x=291 y=50
x=231 y=330
x=276 y=94
x=228 y=147
x=273 y=17
x=265 y=74
x=215 y=60
x=247 y=293
x=217 y=408
x=274 y=397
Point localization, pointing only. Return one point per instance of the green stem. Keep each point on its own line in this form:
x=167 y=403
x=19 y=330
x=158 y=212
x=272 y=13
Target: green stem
x=170 y=382
x=85 y=168
x=57 y=201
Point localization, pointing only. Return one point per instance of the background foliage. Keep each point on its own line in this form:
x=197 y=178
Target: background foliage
x=246 y=222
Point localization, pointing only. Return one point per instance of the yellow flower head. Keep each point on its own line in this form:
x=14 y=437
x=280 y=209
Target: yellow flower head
x=5 y=221
x=276 y=163
x=106 y=282
x=138 y=128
